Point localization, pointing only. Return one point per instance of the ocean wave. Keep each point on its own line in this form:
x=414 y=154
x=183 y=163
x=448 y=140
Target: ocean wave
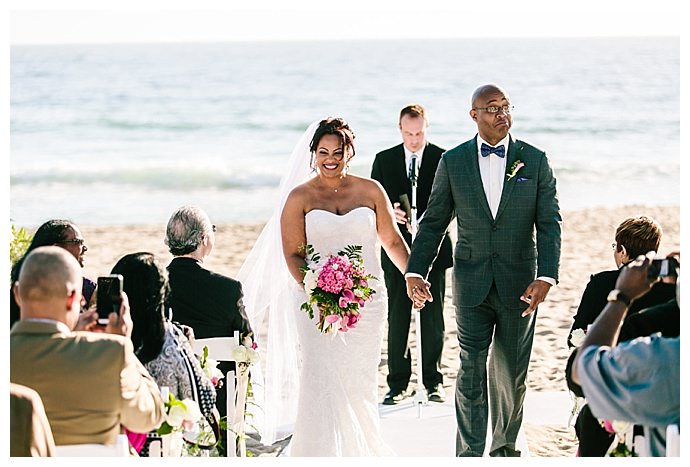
x=183 y=179
x=177 y=126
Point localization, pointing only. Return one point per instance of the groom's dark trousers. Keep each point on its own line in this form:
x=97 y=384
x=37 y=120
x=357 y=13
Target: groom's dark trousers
x=389 y=169
x=495 y=259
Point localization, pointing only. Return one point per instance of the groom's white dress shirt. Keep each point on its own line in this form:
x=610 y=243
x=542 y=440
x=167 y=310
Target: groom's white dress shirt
x=492 y=170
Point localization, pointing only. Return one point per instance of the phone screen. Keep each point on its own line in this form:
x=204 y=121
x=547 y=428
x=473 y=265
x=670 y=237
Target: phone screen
x=109 y=296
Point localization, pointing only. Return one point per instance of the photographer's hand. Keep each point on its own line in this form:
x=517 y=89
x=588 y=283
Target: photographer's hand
x=120 y=323
x=88 y=321
x=633 y=280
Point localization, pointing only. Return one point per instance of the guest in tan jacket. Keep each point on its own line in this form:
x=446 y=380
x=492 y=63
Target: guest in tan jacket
x=30 y=434
x=91 y=383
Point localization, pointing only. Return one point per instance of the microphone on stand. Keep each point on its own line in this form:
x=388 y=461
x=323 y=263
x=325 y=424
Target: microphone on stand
x=413 y=169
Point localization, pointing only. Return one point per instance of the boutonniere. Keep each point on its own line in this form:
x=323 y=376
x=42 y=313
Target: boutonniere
x=517 y=165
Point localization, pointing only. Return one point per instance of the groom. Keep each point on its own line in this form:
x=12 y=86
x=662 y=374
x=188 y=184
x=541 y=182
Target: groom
x=502 y=193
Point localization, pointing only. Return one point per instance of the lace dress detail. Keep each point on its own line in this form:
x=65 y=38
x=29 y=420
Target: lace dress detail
x=337 y=412
x=178 y=368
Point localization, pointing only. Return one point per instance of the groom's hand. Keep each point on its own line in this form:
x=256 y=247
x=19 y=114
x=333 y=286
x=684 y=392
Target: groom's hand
x=534 y=294
x=418 y=291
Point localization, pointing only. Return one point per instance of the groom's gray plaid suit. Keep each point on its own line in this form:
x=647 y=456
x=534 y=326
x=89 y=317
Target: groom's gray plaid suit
x=494 y=262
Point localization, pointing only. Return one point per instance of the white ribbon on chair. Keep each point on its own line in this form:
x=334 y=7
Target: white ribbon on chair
x=240 y=406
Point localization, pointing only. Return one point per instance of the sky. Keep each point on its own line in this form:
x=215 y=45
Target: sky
x=79 y=21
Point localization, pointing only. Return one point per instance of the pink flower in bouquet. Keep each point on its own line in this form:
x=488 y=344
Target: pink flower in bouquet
x=336 y=275
x=346 y=297
x=331 y=319
x=353 y=319
x=343 y=323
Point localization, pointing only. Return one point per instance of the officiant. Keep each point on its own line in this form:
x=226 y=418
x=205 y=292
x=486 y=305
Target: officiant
x=392 y=169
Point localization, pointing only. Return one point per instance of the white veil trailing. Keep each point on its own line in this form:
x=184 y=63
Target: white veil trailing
x=271 y=306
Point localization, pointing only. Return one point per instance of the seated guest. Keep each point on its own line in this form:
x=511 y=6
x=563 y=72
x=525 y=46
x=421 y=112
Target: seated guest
x=159 y=344
x=90 y=383
x=635 y=236
x=209 y=302
x=62 y=233
x=637 y=381
x=30 y=434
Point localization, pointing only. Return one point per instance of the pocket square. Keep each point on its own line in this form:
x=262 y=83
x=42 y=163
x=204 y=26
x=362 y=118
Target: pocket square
x=521 y=179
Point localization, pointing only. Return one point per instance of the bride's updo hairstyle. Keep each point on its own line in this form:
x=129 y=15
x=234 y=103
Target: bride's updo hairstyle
x=334 y=126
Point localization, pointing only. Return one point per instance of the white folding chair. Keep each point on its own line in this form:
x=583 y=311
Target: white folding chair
x=221 y=348
x=672 y=441
x=119 y=449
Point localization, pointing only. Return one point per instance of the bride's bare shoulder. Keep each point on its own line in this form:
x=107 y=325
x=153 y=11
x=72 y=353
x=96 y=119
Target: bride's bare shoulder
x=300 y=195
x=368 y=185
x=365 y=183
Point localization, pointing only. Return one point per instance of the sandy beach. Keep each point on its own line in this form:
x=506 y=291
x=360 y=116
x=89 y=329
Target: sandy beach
x=586 y=249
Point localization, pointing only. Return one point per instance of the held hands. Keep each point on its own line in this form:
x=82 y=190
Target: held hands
x=534 y=294
x=418 y=291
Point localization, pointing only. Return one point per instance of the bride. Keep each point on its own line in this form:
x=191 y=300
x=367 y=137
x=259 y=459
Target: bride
x=325 y=385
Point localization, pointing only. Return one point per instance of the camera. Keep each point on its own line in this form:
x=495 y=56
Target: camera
x=108 y=297
x=663 y=267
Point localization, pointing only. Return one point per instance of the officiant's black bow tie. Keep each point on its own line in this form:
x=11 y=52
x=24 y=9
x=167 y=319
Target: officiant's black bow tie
x=500 y=151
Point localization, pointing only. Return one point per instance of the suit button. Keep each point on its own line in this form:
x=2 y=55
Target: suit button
x=494 y=228
x=495 y=255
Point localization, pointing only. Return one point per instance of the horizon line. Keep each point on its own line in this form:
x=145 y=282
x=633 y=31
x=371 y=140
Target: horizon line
x=344 y=39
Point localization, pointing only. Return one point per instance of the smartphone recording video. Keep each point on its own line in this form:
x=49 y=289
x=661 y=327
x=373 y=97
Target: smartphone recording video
x=663 y=267
x=108 y=298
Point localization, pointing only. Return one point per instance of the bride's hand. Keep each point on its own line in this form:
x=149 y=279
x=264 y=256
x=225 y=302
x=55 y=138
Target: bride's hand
x=418 y=291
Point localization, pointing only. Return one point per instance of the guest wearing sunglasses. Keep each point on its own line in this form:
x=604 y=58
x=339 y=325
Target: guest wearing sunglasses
x=62 y=233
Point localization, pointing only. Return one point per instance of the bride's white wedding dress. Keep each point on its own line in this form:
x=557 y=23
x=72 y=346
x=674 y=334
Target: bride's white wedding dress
x=337 y=413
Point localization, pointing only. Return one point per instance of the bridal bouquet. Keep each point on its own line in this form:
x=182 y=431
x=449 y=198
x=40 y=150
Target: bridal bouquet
x=337 y=288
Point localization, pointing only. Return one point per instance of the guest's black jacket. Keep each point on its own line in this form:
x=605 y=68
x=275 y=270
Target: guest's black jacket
x=597 y=290
x=208 y=302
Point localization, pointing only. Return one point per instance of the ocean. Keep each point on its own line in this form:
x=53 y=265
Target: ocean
x=126 y=133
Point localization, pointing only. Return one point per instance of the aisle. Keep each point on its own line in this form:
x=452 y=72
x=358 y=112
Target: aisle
x=433 y=435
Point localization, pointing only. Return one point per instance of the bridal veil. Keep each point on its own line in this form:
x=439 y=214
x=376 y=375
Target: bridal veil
x=270 y=299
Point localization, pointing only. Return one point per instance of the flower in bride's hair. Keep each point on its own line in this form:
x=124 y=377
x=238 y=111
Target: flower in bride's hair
x=337 y=288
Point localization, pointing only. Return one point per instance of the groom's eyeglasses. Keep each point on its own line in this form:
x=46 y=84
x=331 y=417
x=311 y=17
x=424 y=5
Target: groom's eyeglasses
x=494 y=109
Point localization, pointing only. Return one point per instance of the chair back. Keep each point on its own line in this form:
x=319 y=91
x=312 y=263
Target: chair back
x=672 y=441
x=119 y=449
x=221 y=349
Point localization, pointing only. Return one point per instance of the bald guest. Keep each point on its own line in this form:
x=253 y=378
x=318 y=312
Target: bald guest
x=91 y=383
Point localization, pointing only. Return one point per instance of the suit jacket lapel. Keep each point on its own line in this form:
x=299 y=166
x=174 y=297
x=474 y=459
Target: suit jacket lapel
x=508 y=185
x=425 y=170
x=475 y=178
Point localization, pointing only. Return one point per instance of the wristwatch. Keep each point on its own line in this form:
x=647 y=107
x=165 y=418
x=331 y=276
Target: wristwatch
x=617 y=296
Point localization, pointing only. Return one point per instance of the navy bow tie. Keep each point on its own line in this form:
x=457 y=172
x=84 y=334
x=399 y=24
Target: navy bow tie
x=500 y=151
